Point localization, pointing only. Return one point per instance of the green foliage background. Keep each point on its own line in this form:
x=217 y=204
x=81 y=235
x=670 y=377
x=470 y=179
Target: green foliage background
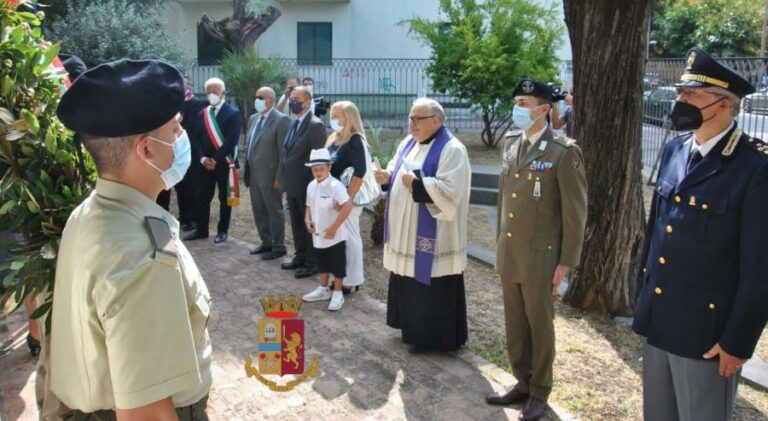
x=41 y=181
x=485 y=48
x=725 y=28
x=107 y=30
x=246 y=73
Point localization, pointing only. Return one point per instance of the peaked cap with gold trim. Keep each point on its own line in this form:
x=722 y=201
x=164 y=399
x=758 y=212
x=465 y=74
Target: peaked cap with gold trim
x=702 y=70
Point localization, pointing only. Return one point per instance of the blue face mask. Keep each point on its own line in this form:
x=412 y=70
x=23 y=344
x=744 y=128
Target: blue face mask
x=182 y=158
x=521 y=117
x=335 y=126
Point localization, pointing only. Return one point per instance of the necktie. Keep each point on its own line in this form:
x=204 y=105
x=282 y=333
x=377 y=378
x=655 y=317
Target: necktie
x=524 y=144
x=291 y=135
x=255 y=131
x=695 y=159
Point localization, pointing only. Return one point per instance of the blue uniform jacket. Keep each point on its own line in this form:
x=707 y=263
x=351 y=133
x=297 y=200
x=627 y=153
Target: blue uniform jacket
x=705 y=274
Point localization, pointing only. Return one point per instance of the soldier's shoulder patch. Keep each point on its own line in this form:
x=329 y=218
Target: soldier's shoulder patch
x=513 y=133
x=161 y=235
x=757 y=145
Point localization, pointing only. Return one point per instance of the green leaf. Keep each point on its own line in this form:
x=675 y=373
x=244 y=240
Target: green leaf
x=40 y=311
x=33 y=125
x=7 y=206
x=52 y=52
x=32 y=207
x=17 y=264
x=8 y=280
x=62 y=157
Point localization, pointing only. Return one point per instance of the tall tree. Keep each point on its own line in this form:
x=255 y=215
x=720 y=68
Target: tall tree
x=250 y=18
x=726 y=28
x=608 y=39
x=485 y=48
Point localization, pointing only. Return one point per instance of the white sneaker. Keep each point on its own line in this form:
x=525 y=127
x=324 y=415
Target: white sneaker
x=319 y=294
x=337 y=300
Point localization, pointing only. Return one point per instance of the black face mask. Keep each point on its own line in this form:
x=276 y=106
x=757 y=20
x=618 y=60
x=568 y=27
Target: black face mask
x=685 y=116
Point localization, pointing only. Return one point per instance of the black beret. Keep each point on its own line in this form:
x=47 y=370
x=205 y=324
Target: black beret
x=73 y=65
x=122 y=98
x=530 y=87
x=703 y=70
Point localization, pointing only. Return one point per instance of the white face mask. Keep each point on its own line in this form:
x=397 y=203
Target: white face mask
x=214 y=99
x=335 y=126
x=182 y=158
x=260 y=105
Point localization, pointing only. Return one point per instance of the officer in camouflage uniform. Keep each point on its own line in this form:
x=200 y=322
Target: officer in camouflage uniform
x=130 y=308
x=542 y=214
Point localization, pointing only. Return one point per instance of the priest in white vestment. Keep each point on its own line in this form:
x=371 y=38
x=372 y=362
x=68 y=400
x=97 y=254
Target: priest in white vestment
x=425 y=232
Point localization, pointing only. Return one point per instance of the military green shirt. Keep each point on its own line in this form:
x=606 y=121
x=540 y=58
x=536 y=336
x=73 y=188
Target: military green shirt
x=542 y=205
x=130 y=307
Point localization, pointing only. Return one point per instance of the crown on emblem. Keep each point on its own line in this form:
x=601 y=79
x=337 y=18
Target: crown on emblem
x=280 y=307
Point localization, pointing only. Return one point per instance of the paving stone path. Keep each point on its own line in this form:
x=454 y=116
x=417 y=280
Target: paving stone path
x=366 y=372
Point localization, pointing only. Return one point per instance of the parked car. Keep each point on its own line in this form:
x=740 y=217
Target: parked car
x=756 y=103
x=658 y=105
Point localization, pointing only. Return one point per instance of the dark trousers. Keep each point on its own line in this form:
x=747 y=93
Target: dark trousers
x=302 y=241
x=209 y=181
x=186 y=195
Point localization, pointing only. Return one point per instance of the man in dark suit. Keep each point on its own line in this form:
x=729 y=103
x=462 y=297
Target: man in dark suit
x=307 y=132
x=186 y=190
x=217 y=148
x=266 y=133
x=701 y=294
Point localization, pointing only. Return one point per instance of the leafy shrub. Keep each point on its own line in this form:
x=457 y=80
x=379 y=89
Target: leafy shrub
x=41 y=178
x=108 y=30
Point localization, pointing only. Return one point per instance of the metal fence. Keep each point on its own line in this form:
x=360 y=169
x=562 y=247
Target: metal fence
x=383 y=90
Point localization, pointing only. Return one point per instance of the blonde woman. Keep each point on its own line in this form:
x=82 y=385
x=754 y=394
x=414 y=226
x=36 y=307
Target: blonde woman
x=348 y=148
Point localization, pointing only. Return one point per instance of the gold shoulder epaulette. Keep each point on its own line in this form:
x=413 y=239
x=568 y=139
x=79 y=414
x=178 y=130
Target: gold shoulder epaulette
x=756 y=145
x=161 y=235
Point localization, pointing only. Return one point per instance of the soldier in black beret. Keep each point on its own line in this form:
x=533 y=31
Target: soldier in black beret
x=127 y=290
x=701 y=293
x=542 y=208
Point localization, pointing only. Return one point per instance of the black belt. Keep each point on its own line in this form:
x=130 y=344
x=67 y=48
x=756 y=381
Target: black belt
x=194 y=412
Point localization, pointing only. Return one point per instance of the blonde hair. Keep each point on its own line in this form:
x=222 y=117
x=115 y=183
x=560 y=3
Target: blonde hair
x=353 y=125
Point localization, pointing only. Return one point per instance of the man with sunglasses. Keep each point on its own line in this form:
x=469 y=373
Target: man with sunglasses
x=267 y=129
x=701 y=292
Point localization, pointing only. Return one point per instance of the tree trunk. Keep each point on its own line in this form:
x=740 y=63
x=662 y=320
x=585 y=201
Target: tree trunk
x=608 y=40
x=241 y=30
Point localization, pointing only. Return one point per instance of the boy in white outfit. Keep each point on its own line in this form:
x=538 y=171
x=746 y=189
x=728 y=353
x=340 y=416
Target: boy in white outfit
x=328 y=205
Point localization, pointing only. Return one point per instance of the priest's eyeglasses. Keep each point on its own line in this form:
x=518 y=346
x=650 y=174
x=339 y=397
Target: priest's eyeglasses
x=415 y=119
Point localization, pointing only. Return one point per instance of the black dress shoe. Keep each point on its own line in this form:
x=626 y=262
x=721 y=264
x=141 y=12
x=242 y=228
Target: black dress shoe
x=348 y=290
x=293 y=264
x=190 y=226
x=272 y=255
x=261 y=249
x=194 y=235
x=306 y=271
x=220 y=238
x=507 y=397
x=534 y=410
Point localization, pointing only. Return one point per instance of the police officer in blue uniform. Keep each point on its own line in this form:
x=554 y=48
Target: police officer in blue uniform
x=702 y=291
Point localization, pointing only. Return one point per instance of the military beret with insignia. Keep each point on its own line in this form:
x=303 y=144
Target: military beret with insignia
x=530 y=87
x=122 y=98
x=702 y=70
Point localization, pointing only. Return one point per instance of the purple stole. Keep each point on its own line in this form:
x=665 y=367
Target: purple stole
x=426 y=226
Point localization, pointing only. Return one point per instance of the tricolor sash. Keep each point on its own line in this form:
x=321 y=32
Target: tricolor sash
x=217 y=140
x=426 y=225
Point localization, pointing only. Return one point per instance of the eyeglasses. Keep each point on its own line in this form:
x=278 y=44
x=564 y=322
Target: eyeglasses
x=415 y=119
x=693 y=93
x=259 y=97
